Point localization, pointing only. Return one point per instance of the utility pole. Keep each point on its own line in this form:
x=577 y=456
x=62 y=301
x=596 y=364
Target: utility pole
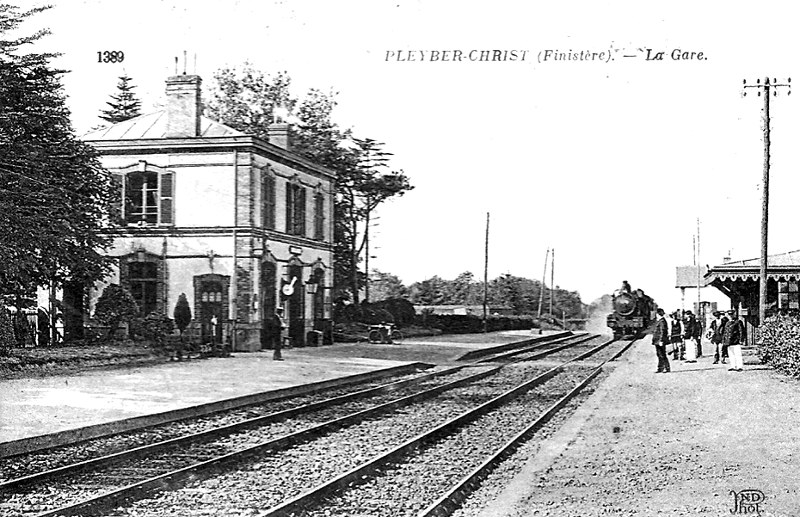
x=767 y=87
x=541 y=289
x=486 y=272
x=366 y=262
x=552 y=276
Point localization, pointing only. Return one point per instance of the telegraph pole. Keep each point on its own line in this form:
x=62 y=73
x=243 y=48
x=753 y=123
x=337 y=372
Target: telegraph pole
x=767 y=87
x=486 y=272
x=552 y=278
x=541 y=289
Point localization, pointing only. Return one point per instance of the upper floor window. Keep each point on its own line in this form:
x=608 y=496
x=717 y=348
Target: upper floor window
x=146 y=194
x=295 y=209
x=268 y=200
x=319 y=216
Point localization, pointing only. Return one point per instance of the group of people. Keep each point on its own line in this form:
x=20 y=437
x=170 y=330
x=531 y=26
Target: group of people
x=683 y=338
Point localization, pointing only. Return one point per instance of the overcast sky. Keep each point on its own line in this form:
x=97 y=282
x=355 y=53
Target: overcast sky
x=611 y=163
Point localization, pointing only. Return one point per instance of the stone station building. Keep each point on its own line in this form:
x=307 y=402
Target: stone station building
x=238 y=224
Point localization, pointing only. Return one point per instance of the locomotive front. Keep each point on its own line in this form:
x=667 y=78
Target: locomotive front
x=631 y=312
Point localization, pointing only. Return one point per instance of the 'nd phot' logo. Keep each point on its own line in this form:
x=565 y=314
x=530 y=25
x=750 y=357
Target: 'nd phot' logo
x=747 y=501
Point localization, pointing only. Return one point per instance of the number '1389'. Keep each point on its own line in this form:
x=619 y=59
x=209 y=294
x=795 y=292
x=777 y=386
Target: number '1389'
x=110 y=56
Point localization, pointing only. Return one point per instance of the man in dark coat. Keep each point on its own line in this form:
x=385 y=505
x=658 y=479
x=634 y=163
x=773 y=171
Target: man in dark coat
x=660 y=341
x=715 y=333
x=734 y=337
x=279 y=325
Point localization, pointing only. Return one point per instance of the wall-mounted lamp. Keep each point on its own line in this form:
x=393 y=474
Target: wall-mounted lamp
x=311 y=287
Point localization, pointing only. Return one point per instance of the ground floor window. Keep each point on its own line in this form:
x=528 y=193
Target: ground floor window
x=788 y=295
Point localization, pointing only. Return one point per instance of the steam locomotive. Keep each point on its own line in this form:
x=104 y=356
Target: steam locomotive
x=633 y=311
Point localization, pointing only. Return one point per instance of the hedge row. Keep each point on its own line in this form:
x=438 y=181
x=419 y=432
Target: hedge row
x=470 y=324
x=778 y=343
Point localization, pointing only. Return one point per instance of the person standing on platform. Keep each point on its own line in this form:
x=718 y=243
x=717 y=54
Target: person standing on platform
x=279 y=324
x=660 y=341
x=676 y=336
x=690 y=350
x=735 y=336
x=715 y=334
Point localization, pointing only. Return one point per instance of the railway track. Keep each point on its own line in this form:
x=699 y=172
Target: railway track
x=94 y=486
x=267 y=485
x=147 y=467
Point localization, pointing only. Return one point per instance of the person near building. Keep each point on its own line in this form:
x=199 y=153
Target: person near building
x=279 y=324
x=676 y=336
x=661 y=339
x=734 y=337
x=690 y=349
x=715 y=334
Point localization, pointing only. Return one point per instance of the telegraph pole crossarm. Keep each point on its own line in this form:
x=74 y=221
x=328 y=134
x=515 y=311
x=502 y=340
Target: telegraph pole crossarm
x=767 y=86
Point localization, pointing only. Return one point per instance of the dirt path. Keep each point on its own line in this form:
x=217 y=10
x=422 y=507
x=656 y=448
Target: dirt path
x=674 y=444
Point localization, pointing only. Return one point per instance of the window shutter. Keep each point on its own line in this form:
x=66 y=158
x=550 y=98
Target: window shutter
x=301 y=211
x=319 y=217
x=268 y=202
x=167 y=189
x=117 y=215
x=289 y=211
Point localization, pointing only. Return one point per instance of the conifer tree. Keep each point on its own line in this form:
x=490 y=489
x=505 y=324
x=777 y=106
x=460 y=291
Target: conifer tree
x=124 y=105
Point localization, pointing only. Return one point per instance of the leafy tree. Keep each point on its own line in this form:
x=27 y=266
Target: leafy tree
x=54 y=195
x=384 y=286
x=246 y=99
x=429 y=292
x=464 y=290
x=115 y=306
x=182 y=313
x=360 y=190
x=124 y=105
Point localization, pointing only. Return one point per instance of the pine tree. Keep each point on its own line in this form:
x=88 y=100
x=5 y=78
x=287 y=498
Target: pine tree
x=54 y=195
x=124 y=105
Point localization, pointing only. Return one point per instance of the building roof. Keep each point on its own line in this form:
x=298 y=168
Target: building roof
x=783 y=266
x=154 y=125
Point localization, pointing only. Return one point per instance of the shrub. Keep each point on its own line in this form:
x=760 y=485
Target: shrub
x=153 y=327
x=6 y=331
x=115 y=306
x=182 y=313
x=778 y=343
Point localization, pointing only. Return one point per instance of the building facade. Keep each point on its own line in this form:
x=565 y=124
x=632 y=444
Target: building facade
x=237 y=224
x=739 y=280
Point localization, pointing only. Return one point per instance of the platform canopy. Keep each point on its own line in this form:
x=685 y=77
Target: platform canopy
x=784 y=267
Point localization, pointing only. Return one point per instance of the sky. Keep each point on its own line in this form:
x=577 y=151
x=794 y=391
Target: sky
x=610 y=162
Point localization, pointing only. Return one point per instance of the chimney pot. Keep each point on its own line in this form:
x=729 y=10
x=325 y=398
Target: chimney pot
x=184 y=106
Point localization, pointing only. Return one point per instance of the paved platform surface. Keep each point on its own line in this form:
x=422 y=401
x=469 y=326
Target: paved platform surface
x=37 y=406
x=683 y=443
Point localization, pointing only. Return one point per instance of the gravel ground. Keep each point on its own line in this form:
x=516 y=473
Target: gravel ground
x=83 y=485
x=275 y=478
x=26 y=464
x=654 y=444
x=406 y=489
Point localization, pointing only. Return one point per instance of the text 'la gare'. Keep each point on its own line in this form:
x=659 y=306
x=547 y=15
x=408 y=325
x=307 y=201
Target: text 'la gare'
x=676 y=55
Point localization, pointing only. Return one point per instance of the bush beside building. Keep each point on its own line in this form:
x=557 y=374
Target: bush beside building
x=777 y=343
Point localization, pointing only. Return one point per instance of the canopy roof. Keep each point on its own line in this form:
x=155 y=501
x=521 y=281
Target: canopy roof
x=782 y=267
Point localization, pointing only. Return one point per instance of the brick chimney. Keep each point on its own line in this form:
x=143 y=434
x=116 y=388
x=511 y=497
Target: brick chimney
x=278 y=133
x=183 y=106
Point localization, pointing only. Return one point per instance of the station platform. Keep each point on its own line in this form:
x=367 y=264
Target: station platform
x=37 y=407
x=700 y=440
